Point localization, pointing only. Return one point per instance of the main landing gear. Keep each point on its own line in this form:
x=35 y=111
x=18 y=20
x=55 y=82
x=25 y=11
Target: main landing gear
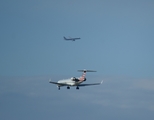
x=68 y=87
x=77 y=88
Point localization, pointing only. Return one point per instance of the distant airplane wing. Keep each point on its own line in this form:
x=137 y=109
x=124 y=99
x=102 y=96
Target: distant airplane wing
x=76 y=38
x=90 y=84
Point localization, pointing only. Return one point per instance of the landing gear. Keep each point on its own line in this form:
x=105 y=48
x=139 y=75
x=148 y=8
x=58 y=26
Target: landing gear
x=68 y=87
x=77 y=88
x=58 y=87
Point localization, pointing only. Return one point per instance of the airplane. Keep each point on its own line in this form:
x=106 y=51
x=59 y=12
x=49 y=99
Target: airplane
x=75 y=81
x=72 y=39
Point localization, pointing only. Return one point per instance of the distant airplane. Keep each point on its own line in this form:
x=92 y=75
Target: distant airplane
x=75 y=81
x=72 y=39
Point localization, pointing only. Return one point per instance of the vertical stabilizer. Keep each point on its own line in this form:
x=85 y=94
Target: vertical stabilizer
x=65 y=38
x=83 y=77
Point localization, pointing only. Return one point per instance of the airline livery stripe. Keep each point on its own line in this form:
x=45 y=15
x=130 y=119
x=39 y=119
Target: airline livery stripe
x=83 y=76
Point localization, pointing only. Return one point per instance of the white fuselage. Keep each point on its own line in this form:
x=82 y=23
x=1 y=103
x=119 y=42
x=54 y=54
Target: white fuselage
x=69 y=82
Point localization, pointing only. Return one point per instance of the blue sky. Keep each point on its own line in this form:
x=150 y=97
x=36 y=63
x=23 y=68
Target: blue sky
x=116 y=40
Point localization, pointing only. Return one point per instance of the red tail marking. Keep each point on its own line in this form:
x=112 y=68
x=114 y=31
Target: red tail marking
x=83 y=76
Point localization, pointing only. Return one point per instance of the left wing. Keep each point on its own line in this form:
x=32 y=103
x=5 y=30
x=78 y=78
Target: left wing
x=60 y=84
x=90 y=84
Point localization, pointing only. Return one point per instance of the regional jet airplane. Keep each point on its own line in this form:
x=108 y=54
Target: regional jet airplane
x=72 y=39
x=75 y=81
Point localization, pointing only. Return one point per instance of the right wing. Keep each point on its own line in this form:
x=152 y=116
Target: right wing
x=91 y=84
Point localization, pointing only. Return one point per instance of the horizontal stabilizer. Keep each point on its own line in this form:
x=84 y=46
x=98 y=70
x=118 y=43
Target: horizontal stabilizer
x=86 y=70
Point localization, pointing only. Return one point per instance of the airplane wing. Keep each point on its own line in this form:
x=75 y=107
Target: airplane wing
x=76 y=38
x=61 y=84
x=90 y=84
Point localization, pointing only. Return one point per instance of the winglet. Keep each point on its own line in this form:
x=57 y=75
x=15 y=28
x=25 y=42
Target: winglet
x=101 y=81
x=49 y=80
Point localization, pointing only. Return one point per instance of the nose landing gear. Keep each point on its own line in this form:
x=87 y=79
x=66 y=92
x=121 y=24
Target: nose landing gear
x=58 y=87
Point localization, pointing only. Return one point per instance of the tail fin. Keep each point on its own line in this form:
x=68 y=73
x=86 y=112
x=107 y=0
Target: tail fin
x=83 y=77
x=65 y=38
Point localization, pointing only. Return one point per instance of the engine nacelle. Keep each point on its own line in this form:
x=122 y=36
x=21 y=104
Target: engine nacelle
x=74 y=79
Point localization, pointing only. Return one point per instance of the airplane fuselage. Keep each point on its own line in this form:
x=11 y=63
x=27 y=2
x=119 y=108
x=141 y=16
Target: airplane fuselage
x=69 y=82
x=72 y=39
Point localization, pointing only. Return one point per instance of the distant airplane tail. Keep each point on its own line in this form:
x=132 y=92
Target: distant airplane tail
x=65 y=38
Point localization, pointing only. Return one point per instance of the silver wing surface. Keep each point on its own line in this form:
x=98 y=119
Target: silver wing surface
x=90 y=84
x=59 y=84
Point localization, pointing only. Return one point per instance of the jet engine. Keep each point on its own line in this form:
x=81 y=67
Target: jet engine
x=74 y=79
